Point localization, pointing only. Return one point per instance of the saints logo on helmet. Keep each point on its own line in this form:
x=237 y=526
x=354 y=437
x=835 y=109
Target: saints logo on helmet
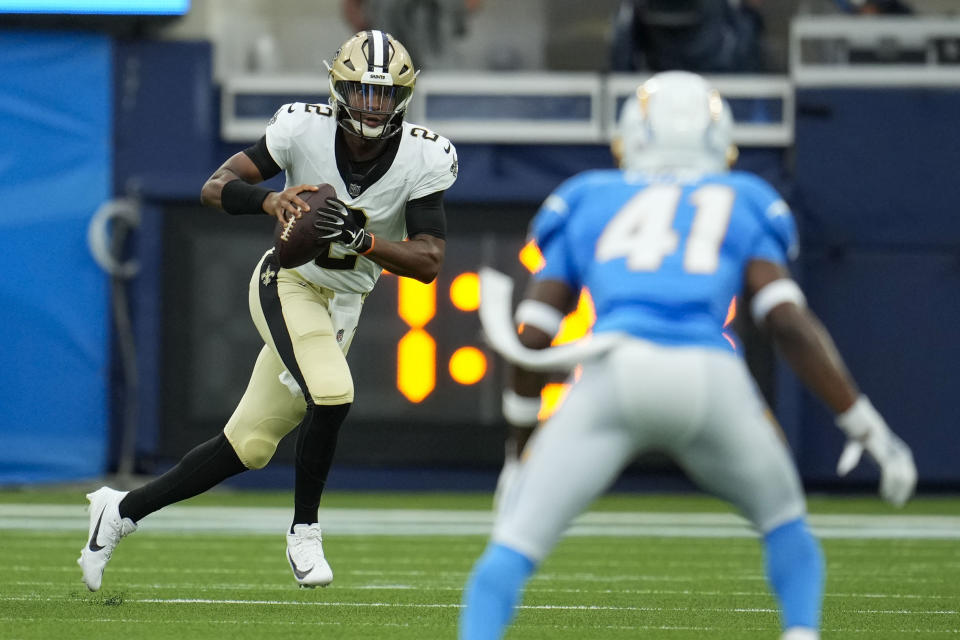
x=371 y=83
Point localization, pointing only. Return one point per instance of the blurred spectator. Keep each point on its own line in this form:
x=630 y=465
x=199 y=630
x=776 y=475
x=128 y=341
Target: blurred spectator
x=430 y=29
x=705 y=36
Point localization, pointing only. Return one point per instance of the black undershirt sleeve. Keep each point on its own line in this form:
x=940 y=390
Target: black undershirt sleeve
x=426 y=215
x=261 y=157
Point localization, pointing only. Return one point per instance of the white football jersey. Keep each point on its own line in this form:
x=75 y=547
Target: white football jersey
x=301 y=138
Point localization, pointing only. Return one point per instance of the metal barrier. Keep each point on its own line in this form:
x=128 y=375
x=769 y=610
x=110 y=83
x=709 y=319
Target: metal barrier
x=524 y=108
x=554 y=108
x=849 y=51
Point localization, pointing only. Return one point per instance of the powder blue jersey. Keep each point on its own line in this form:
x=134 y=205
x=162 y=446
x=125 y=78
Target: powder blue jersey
x=662 y=255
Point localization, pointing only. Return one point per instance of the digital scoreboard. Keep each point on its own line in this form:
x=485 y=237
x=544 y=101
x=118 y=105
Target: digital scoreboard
x=427 y=387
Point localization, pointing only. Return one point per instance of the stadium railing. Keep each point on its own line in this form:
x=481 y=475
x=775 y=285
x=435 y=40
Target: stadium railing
x=517 y=108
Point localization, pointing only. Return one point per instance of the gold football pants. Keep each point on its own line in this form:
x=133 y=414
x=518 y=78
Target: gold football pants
x=292 y=316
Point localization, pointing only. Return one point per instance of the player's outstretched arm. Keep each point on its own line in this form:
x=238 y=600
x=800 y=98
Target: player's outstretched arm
x=234 y=188
x=802 y=340
x=779 y=306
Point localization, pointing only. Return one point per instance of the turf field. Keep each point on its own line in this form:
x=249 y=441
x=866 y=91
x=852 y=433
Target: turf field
x=635 y=567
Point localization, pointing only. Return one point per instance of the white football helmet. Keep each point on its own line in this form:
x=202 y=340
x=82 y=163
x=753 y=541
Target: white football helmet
x=676 y=121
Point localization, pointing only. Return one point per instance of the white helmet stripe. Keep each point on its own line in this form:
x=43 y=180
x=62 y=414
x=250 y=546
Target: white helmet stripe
x=377 y=52
x=386 y=49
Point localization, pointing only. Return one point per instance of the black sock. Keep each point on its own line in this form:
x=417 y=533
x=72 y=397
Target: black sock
x=316 y=442
x=205 y=466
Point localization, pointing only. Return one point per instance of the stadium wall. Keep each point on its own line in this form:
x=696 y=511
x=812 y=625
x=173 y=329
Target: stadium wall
x=876 y=196
x=879 y=265
x=55 y=171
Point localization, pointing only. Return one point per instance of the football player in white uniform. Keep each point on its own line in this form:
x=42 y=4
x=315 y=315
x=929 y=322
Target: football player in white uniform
x=390 y=177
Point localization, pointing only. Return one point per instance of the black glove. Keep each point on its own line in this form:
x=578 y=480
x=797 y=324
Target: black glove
x=336 y=224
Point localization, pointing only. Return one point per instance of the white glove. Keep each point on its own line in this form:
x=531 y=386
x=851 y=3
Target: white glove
x=867 y=430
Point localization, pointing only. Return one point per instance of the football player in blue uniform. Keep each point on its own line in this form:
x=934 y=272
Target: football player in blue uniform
x=663 y=245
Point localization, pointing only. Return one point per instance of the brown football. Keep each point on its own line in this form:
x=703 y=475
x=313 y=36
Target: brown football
x=295 y=242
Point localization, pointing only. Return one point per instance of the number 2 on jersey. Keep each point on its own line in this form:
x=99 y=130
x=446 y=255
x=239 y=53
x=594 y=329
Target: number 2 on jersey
x=642 y=231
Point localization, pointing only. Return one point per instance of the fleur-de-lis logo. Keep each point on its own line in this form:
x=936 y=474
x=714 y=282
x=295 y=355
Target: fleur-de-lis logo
x=267 y=276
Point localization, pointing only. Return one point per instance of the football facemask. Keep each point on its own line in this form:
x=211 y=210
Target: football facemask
x=371 y=82
x=370 y=110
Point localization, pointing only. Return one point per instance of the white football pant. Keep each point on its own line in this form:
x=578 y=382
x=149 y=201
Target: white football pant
x=698 y=406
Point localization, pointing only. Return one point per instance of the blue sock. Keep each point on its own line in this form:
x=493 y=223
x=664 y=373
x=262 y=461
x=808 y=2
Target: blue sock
x=493 y=592
x=795 y=570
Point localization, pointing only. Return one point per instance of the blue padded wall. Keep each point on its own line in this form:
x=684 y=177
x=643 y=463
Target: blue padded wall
x=876 y=204
x=55 y=170
x=878 y=166
x=166 y=118
x=894 y=317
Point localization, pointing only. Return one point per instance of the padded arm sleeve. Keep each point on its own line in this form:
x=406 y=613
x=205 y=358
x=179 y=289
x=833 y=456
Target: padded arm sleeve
x=260 y=156
x=426 y=215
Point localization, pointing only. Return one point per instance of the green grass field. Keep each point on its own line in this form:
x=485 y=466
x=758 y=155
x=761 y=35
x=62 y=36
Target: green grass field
x=209 y=571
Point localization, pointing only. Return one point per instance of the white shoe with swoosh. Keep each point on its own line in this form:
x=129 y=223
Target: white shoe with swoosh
x=305 y=555
x=106 y=529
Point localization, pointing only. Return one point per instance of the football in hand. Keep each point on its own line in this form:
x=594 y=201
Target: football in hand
x=296 y=241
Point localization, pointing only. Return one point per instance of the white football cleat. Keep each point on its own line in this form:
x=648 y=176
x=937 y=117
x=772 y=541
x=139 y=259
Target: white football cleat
x=305 y=555
x=800 y=633
x=106 y=529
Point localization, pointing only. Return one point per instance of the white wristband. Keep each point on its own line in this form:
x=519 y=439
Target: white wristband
x=861 y=420
x=539 y=315
x=520 y=411
x=773 y=294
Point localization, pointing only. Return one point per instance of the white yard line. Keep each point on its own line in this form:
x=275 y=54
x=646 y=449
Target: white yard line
x=442 y=605
x=532 y=588
x=285 y=587
x=420 y=522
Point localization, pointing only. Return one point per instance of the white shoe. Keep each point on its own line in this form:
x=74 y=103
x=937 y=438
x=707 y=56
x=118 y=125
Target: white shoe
x=106 y=529
x=800 y=633
x=305 y=555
